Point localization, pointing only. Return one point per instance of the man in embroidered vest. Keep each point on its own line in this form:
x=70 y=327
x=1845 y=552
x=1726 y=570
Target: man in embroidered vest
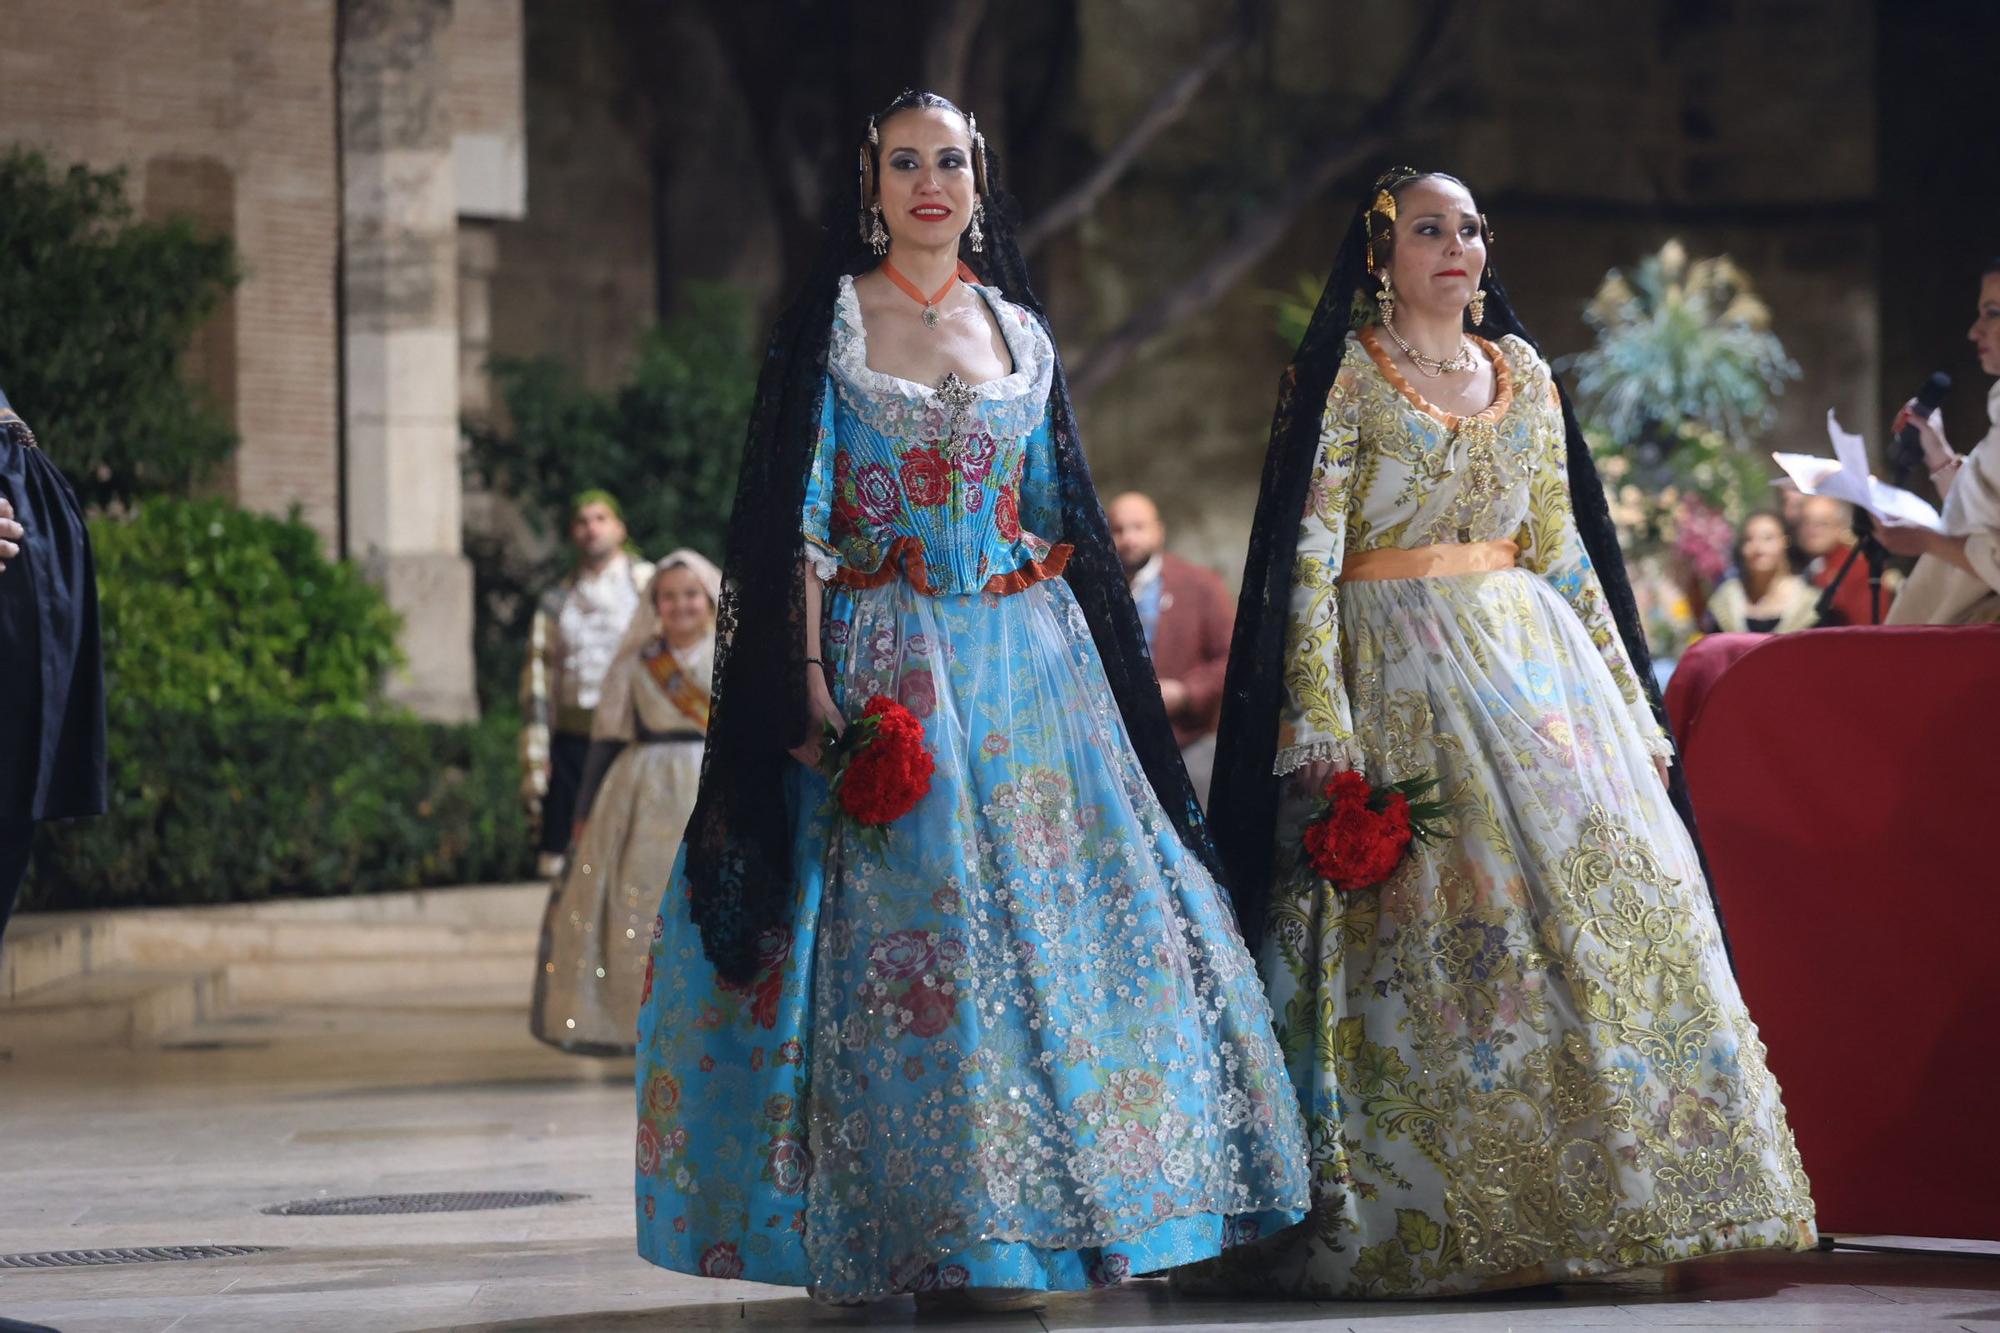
x=577 y=627
x=1188 y=615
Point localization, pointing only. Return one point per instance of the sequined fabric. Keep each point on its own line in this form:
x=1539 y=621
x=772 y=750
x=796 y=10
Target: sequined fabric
x=1020 y=1045
x=1525 y=1056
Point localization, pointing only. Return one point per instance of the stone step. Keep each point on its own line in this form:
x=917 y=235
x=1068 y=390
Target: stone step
x=121 y=1008
x=40 y=952
x=480 y=905
x=347 y=980
x=162 y=942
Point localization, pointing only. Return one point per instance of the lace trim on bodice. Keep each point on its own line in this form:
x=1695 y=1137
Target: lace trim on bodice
x=1011 y=406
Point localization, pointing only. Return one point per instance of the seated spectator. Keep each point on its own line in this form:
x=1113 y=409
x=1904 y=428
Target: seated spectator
x=1825 y=530
x=1765 y=595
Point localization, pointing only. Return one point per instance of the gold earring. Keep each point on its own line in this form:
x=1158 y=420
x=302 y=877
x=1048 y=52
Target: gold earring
x=1386 y=299
x=977 y=235
x=1478 y=308
x=878 y=239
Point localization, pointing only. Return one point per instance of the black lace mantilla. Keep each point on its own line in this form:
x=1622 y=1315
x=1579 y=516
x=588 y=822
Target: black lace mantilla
x=739 y=838
x=1244 y=797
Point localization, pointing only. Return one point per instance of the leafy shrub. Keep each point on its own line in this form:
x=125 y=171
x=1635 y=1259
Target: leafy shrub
x=249 y=752
x=210 y=607
x=209 y=809
x=99 y=310
x=666 y=443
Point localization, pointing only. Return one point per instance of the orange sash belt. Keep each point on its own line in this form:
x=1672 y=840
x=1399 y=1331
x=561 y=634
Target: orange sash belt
x=1429 y=562
x=905 y=556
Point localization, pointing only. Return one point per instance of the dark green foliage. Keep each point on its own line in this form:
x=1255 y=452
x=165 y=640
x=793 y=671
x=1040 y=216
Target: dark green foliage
x=99 y=310
x=211 y=810
x=665 y=442
x=207 y=607
x=249 y=750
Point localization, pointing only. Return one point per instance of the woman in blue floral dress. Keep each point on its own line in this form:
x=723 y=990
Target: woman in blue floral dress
x=1017 y=1044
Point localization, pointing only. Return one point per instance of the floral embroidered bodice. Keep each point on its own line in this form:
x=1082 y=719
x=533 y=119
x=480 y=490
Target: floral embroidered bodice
x=1395 y=471
x=952 y=486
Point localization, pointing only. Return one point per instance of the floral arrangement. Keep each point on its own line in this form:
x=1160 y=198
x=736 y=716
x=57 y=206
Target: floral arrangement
x=879 y=766
x=1362 y=833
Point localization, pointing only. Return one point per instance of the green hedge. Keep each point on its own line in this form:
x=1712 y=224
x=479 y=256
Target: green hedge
x=208 y=607
x=208 y=810
x=250 y=753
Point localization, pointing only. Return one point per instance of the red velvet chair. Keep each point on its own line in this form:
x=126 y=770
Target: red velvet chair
x=1847 y=786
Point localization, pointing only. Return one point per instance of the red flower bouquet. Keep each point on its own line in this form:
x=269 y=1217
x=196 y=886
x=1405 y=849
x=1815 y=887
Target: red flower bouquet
x=880 y=766
x=1363 y=832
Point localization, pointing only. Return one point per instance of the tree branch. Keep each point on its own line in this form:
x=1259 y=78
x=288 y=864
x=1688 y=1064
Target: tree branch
x=948 y=46
x=1166 y=109
x=1252 y=242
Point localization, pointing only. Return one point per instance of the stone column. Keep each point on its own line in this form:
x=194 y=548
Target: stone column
x=400 y=301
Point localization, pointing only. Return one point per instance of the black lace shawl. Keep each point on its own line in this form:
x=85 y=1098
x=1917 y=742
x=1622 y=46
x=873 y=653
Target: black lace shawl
x=739 y=838
x=1244 y=796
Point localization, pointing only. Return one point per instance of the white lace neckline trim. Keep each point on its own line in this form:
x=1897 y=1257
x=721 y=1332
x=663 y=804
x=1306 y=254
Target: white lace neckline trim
x=850 y=351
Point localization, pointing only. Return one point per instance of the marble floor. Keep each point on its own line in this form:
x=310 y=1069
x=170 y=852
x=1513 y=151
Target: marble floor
x=185 y=1145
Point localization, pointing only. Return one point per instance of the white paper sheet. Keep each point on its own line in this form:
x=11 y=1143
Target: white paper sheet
x=1845 y=476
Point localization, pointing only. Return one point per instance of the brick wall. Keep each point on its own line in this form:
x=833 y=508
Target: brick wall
x=226 y=108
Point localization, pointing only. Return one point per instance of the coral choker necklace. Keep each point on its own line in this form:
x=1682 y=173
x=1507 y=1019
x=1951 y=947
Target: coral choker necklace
x=909 y=289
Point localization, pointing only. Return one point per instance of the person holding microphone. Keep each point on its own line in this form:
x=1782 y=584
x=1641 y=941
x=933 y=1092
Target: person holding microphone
x=1957 y=578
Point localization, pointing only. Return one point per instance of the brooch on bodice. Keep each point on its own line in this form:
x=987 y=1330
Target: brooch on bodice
x=957 y=397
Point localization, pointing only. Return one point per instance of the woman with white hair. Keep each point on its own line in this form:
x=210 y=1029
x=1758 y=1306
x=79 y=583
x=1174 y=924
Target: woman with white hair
x=638 y=787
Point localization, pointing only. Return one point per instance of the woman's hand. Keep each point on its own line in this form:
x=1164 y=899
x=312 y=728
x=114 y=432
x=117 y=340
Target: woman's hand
x=819 y=707
x=1930 y=430
x=1903 y=538
x=10 y=533
x=1661 y=765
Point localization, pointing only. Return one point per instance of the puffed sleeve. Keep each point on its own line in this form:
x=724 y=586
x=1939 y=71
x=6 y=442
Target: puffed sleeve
x=1317 y=723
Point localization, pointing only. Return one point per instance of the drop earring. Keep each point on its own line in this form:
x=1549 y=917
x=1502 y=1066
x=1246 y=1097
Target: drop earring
x=878 y=238
x=1386 y=299
x=976 y=236
x=1477 y=309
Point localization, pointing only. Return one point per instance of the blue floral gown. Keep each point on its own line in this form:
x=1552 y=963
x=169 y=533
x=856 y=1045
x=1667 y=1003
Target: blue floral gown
x=1022 y=1045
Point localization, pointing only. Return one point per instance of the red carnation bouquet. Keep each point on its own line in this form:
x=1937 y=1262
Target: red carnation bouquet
x=879 y=766
x=1363 y=832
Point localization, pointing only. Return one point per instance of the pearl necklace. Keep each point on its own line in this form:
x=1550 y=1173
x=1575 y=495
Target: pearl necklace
x=1431 y=365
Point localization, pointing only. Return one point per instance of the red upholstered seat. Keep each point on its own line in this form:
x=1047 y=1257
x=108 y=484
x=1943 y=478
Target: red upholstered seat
x=1847 y=785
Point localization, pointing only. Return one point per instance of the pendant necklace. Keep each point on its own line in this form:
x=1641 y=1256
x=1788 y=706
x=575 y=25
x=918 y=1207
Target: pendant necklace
x=909 y=289
x=1431 y=365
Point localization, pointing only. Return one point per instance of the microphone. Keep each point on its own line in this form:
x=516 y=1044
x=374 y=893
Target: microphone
x=1906 y=451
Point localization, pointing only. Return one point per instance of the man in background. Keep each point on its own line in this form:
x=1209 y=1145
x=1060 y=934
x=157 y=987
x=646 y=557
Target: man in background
x=1188 y=615
x=1825 y=532
x=575 y=634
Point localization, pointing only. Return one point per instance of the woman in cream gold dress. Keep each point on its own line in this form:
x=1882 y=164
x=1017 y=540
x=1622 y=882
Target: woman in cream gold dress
x=1524 y=1056
x=638 y=787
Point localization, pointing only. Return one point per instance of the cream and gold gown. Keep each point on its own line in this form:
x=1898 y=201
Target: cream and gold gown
x=597 y=931
x=1525 y=1057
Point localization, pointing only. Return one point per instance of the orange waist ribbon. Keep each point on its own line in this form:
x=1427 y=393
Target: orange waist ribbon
x=1443 y=561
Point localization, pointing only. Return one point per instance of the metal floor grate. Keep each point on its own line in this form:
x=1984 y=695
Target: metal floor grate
x=145 y=1254
x=368 y=1205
